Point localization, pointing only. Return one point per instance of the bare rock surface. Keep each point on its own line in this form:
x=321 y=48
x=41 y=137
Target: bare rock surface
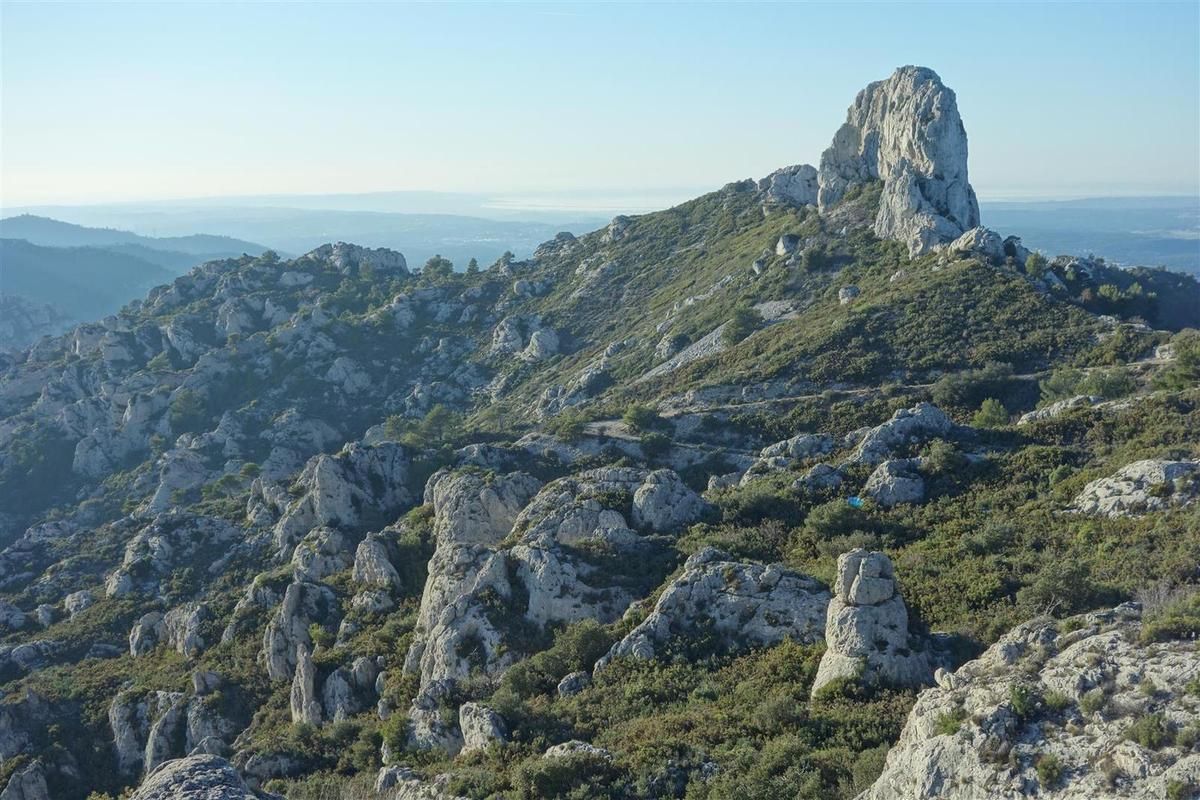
x=906 y=132
x=866 y=630
x=199 y=777
x=1140 y=487
x=1068 y=690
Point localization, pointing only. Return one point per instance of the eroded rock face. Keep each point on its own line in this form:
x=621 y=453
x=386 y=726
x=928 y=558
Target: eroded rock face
x=906 y=132
x=1059 y=408
x=480 y=726
x=346 y=490
x=1103 y=680
x=746 y=605
x=866 y=629
x=198 y=777
x=1149 y=485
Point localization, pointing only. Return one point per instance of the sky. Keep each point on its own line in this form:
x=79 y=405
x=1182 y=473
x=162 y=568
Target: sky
x=106 y=102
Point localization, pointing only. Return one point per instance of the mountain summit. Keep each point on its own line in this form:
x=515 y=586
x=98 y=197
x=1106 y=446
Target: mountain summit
x=905 y=131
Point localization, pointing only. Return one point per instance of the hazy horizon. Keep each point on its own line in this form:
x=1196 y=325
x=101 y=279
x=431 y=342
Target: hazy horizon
x=108 y=103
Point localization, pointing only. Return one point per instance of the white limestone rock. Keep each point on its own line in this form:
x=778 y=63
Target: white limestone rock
x=29 y=781
x=993 y=752
x=1150 y=485
x=663 y=502
x=480 y=727
x=796 y=185
x=197 y=777
x=574 y=683
x=372 y=564
x=747 y=605
x=803 y=445
x=896 y=482
x=287 y=630
x=908 y=426
x=1059 y=408
x=305 y=705
x=866 y=629
x=906 y=132
x=979 y=240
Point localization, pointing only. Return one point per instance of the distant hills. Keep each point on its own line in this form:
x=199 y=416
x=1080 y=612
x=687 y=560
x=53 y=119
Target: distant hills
x=82 y=273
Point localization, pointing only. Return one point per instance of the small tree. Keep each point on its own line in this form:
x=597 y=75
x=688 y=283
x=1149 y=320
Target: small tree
x=1059 y=385
x=472 y=266
x=187 y=412
x=438 y=267
x=991 y=414
x=640 y=417
x=1035 y=265
x=745 y=321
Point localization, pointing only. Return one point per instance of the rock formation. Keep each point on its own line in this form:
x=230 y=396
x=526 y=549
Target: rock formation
x=906 y=132
x=743 y=605
x=866 y=629
x=199 y=777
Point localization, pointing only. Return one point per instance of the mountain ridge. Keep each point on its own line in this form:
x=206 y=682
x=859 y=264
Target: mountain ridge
x=596 y=522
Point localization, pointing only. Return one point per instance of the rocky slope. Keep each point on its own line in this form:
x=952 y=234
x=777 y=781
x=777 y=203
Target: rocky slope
x=670 y=509
x=1078 y=708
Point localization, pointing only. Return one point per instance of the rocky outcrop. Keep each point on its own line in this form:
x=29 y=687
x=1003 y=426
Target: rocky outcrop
x=662 y=502
x=480 y=727
x=303 y=604
x=907 y=427
x=344 y=491
x=866 y=628
x=305 y=705
x=795 y=185
x=1054 y=709
x=351 y=259
x=198 y=777
x=1141 y=487
x=906 y=132
x=169 y=541
x=983 y=241
x=742 y=605
x=1059 y=408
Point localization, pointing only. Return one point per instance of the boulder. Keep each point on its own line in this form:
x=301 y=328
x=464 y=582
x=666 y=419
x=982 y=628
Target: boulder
x=574 y=683
x=896 y=482
x=480 y=727
x=663 y=502
x=906 y=132
x=795 y=185
x=76 y=602
x=980 y=240
x=846 y=294
x=907 y=427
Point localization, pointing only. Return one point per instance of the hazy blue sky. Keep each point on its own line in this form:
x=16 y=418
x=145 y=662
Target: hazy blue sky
x=106 y=101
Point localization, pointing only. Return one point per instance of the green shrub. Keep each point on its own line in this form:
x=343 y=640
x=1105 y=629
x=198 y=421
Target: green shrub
x=745 y=321
x=969 y=388
x=639 y=417
x=1035 y=265
x=1183 y=371
x=1178 y=618
x=655 y=444
x=991 y=414
x=1153 y=731
x=1049 y=771
x=948 y=724
x=1093 y=701
x=1024 y=700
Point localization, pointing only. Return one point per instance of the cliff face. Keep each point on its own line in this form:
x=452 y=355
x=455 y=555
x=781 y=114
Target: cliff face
x=905 y=131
